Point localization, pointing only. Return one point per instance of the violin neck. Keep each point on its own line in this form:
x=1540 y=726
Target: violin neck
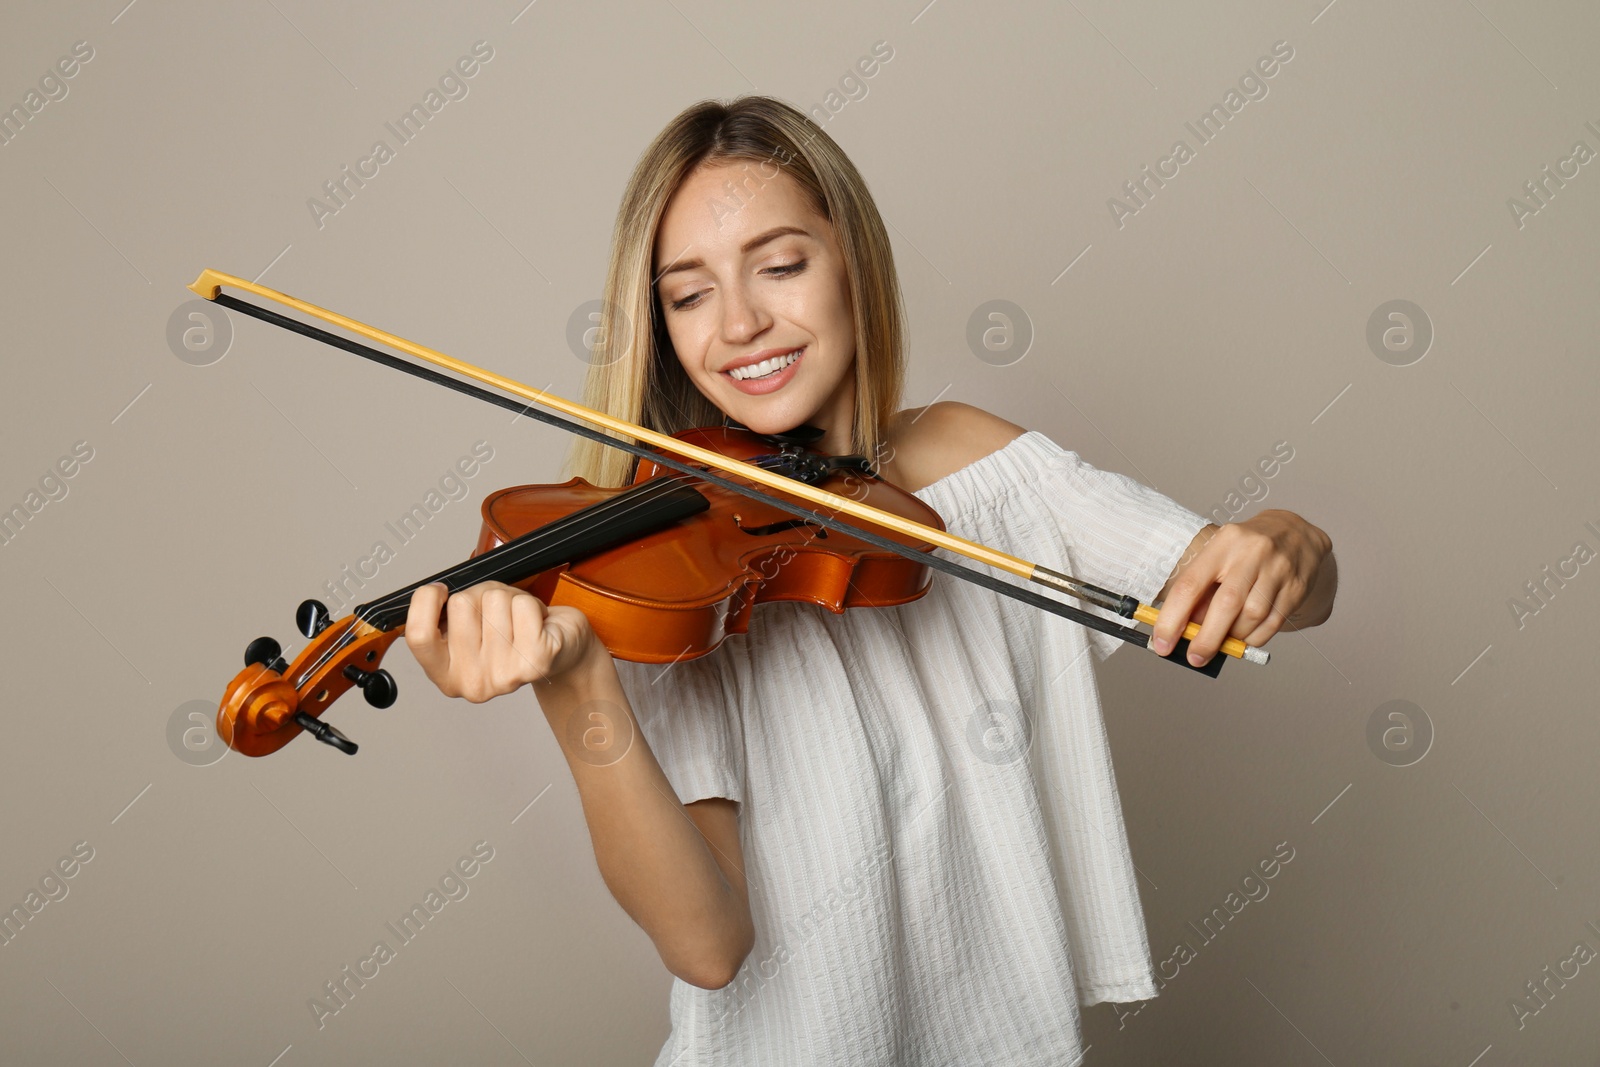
x=631 y=513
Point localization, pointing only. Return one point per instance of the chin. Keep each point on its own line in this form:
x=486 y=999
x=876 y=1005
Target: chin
x=770 y=421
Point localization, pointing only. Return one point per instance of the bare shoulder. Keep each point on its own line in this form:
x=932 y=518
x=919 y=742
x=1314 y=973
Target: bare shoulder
x=933 y=442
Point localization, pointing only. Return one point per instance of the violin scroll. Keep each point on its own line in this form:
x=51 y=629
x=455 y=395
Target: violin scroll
x=269 y=702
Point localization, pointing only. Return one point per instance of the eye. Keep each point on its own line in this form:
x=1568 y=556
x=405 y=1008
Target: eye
x=784 y=271
x=788 y=270
x=688 y=301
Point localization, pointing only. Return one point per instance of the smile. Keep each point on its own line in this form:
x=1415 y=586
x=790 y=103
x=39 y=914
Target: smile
x=766 y=368
x=768 y=376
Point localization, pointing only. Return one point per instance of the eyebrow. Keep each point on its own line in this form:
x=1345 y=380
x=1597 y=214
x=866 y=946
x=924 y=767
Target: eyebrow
x=754 y=243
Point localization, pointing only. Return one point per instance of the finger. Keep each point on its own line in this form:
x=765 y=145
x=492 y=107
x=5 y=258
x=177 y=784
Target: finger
x=500 y=659
x=1226 y=603
x=1194 y=584
x=466 y=631
x=531 y=638
x=427 y=644
x=1273 y=595
x=1277 y=617
x=1260 y=606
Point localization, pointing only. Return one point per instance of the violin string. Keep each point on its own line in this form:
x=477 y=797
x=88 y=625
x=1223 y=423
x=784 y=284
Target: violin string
x=605 y=510
x=366 y=612
x=340 y=643
x=630 y=500
x=930 y=558
x=620 y=506
x=608 y=511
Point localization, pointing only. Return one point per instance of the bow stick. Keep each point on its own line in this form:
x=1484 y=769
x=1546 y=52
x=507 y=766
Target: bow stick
x=210 y=283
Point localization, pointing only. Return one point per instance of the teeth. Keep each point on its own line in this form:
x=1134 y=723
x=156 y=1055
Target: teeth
x=765 y=367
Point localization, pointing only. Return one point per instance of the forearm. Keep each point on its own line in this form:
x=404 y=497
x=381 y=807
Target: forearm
x=652 y=856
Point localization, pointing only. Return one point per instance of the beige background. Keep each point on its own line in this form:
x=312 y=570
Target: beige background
x=1229 y=314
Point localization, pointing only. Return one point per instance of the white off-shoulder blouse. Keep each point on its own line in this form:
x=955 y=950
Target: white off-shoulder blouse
x=933 y=842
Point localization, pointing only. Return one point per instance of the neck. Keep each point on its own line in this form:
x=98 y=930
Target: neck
x=837 y=418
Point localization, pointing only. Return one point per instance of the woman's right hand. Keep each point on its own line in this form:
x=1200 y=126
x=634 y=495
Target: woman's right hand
x=496 y=638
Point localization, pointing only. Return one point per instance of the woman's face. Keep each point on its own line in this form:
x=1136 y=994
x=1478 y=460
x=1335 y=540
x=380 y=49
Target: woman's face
x=751 y=279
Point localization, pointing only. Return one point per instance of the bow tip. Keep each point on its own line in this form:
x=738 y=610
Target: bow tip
x=208 y=284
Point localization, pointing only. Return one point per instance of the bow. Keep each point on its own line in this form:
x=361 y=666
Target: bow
x=209 y=285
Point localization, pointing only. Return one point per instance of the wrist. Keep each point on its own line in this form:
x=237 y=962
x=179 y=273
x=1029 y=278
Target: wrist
x=592 y=674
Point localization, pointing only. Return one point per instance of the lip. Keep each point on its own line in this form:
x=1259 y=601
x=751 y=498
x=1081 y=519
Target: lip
x=757 y=387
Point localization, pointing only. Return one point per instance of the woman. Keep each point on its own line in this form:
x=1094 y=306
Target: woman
x=892 y=835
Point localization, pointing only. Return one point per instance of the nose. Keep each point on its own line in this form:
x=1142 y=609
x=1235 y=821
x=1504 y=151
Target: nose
x=743 y=315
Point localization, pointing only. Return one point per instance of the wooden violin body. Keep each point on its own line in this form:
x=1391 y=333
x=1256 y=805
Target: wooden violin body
x=665 y=568
x=678 y=592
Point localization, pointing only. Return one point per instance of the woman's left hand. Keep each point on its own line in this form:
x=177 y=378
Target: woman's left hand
x=1248 y=580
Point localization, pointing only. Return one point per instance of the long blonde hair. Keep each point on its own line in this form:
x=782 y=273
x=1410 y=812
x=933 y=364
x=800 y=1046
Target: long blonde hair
x=634 y=373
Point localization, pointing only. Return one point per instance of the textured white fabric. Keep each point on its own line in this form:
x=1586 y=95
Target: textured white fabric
x=933 y=842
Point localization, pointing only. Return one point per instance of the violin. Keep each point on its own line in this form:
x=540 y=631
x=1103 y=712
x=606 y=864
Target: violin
x=260 y=714
x=665 y=568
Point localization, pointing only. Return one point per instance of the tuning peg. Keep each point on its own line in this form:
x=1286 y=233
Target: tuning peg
x=377 y=686
x=325 y=733
x=311 y=617
x=267 y=652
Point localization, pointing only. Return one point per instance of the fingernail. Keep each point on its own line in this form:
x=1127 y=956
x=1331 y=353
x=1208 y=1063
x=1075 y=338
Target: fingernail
x=1195 y=659
x=1162 y=646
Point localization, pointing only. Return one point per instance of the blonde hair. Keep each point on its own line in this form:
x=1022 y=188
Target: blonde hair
x=634 y=374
